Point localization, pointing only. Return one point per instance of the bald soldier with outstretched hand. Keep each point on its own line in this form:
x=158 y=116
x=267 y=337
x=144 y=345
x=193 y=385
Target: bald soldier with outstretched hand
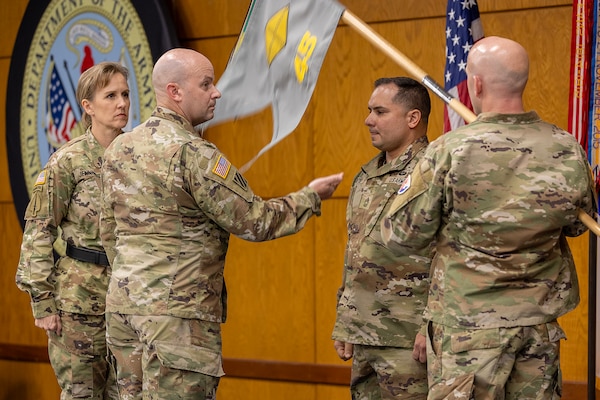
x=171 y=201
x=499 y=197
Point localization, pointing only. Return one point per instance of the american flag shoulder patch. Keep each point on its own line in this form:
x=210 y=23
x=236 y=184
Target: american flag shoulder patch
x=41 y=179
x=222 y=167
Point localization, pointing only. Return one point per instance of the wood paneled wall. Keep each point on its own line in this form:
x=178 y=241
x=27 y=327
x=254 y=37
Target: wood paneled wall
x=282 y=293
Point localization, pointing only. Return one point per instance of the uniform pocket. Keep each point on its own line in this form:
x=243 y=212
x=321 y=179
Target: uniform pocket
x=474 y=340
x=458 y=388
x=73 y=364
x=190 y=358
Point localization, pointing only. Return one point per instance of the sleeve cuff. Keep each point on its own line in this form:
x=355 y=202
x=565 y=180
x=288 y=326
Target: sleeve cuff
x=315 y=200
x=43 y=308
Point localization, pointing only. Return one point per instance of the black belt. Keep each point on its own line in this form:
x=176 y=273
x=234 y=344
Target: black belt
x=87 y=255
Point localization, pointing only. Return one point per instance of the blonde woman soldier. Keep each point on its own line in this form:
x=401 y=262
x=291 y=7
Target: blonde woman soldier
x=68 y=296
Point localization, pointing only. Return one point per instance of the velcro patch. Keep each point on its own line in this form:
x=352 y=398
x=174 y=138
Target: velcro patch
x=414 y=185
x=240 y=181
x=222 y=167
x=41 y=179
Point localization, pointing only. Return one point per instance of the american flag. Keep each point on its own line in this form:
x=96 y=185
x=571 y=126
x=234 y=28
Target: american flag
x=60 y=118
x=463 y=28
x=222 y=167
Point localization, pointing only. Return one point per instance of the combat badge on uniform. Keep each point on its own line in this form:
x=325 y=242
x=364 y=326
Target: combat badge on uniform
x=405 y=185
x=222 y=167
x=414 y=185
x=41 y=179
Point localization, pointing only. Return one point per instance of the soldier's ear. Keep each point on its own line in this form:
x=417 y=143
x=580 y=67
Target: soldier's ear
x=477 y=85
x=413 y=118
x=174 y=91
x=87 y=107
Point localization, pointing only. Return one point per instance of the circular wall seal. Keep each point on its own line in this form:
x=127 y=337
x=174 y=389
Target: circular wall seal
x=57 y=41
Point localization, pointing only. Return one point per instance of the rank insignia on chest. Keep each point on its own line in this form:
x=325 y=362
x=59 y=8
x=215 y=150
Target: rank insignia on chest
x=222 y=167
x=405 y=185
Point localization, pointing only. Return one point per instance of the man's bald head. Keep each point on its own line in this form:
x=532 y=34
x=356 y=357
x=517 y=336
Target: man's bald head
x=175 y=66
x=498 y=69
x=183 y=81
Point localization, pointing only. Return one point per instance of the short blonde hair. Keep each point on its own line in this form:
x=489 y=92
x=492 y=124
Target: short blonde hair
x=94 y=78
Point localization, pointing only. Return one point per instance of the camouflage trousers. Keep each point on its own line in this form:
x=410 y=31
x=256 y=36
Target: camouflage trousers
x=79 y=358
x=503 y=363
x=380 y=373
x=163 y=357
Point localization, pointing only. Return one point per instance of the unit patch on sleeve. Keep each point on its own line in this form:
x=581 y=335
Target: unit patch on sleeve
x=240 y=181
x=222 y=167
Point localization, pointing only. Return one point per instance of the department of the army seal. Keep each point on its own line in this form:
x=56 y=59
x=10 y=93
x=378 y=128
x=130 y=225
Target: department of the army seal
x=57 y=41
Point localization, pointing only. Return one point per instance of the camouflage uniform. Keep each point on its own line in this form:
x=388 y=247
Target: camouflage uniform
x=499 y=196
x=66 y=195
x=382 y=297
x=171 y=200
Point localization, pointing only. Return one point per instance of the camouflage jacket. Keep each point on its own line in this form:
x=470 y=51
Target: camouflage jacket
x=499 y=195
x=171 y=200
x=383 y=295
x=66 y=195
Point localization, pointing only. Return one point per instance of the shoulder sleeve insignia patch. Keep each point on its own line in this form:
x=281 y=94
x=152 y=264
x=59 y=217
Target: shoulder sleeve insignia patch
x=41 y=179
x=222 y=167
x=240 y=181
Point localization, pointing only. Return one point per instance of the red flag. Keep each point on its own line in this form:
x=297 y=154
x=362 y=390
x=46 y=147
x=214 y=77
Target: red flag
x=463 y=28
x=581 y=54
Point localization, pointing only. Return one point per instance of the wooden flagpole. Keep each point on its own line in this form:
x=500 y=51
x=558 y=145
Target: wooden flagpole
x=368 y=33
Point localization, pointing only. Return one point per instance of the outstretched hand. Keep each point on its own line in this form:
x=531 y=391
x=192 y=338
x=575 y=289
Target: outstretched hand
x=326 y=185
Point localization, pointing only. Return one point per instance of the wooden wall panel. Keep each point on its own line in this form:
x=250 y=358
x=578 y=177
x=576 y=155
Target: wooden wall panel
x=332 y=393
x=285 y=168
x=216 y=18
x=11 y=13
x=15 y=311
x=27 y=381
x=550 y=52
x=210 y=19
x=19 y=380
x=384 y=10
x=329 y=245
x=573 y=351
x=271 y=299
x=282 y=293
x=5 y=191
x=236 y=389
x=524 y=5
